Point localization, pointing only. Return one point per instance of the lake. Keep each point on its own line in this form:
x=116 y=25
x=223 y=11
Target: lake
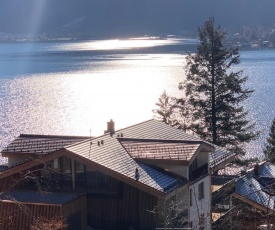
x=74 y=88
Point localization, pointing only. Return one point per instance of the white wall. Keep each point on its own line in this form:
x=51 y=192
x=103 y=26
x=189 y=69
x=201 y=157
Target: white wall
x=203 y=158
x=201 y=206
x=181 y=170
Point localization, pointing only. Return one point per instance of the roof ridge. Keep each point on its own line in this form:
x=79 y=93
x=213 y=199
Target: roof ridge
x=108 y=134
x=163 y=140
x=54 y=136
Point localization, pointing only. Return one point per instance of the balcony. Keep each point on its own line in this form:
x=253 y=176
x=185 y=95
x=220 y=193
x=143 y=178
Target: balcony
x=198 y=173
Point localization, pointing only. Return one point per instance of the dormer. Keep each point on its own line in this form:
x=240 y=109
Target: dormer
x=184 y=158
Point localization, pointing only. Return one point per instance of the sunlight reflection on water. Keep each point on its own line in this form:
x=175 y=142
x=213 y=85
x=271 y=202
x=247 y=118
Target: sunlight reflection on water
x=115 y=44
x=76 y=102
x=71 y=93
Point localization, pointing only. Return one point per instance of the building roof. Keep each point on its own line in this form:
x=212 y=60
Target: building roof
x=220 y=157
x=39 y=197
x=160 y=179
x=108 y=152
x=153 y=129
x=258 y=190
x=3 y=167
x=159 y=149
x=40 y=144
x=114 y=152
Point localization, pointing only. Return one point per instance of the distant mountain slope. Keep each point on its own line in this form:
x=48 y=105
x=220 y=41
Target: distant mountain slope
x=114 y=17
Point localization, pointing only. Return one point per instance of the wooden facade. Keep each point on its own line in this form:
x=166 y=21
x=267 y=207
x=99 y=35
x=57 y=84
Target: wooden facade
x=21 y=216
x=130 y=208
x=76 y=213
x=124 y=188
x=108 y=203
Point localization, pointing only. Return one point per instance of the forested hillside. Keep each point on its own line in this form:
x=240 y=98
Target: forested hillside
x=128 y=17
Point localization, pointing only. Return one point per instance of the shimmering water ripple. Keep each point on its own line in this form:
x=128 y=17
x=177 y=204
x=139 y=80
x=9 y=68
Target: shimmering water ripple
x=75 y=88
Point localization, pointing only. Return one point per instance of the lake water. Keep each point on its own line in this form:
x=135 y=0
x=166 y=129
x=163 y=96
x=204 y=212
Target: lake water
x=74 y=88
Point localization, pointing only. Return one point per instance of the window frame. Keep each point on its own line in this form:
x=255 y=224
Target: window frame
x=190 y=197
x=201 y=190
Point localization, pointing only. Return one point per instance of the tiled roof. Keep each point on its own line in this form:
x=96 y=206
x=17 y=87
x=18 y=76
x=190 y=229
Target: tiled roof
x=40 y=144
x=39 y=197
x=258 y=189
x=220 y=155
x=157 y=178
x=112 y=152
x=108 y=152
x=267 y=170
x=154 y=129
x=157 y=149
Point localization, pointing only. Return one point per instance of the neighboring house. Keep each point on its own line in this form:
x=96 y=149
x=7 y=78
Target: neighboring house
x=28 y=147
x=145 y=176
x=251 y=200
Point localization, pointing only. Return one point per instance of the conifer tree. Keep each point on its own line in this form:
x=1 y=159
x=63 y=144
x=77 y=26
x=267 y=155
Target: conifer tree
x=214 y=94
x=172 y=111
x=269 y=150
x=166 y=108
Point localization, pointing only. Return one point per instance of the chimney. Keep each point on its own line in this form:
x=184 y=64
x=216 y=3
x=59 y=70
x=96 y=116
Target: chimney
x=110 y=127
x=256 y=169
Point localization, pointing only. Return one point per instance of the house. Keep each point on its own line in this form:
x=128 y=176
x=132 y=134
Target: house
x=251 y=199
x=28 y=147
x=144 y=176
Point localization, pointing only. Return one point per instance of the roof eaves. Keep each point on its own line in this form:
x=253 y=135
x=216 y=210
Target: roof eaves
x=25 y=165
x=251 y=202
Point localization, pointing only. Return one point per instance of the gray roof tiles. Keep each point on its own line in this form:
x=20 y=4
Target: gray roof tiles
x=40 y=144
x=267 y=170
x=112 y=155
x=159 y=179
x=257 y=188
x=153 y=129
x=106 y=150
x=160 y=150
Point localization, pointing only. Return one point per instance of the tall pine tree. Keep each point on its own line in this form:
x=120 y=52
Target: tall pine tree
x=214 y=94
x=269 y=150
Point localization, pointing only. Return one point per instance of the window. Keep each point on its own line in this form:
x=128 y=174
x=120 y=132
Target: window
x=80 y=177
x=66 y=165
x=56 y=164
x=201 y=190
x=190 y=197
